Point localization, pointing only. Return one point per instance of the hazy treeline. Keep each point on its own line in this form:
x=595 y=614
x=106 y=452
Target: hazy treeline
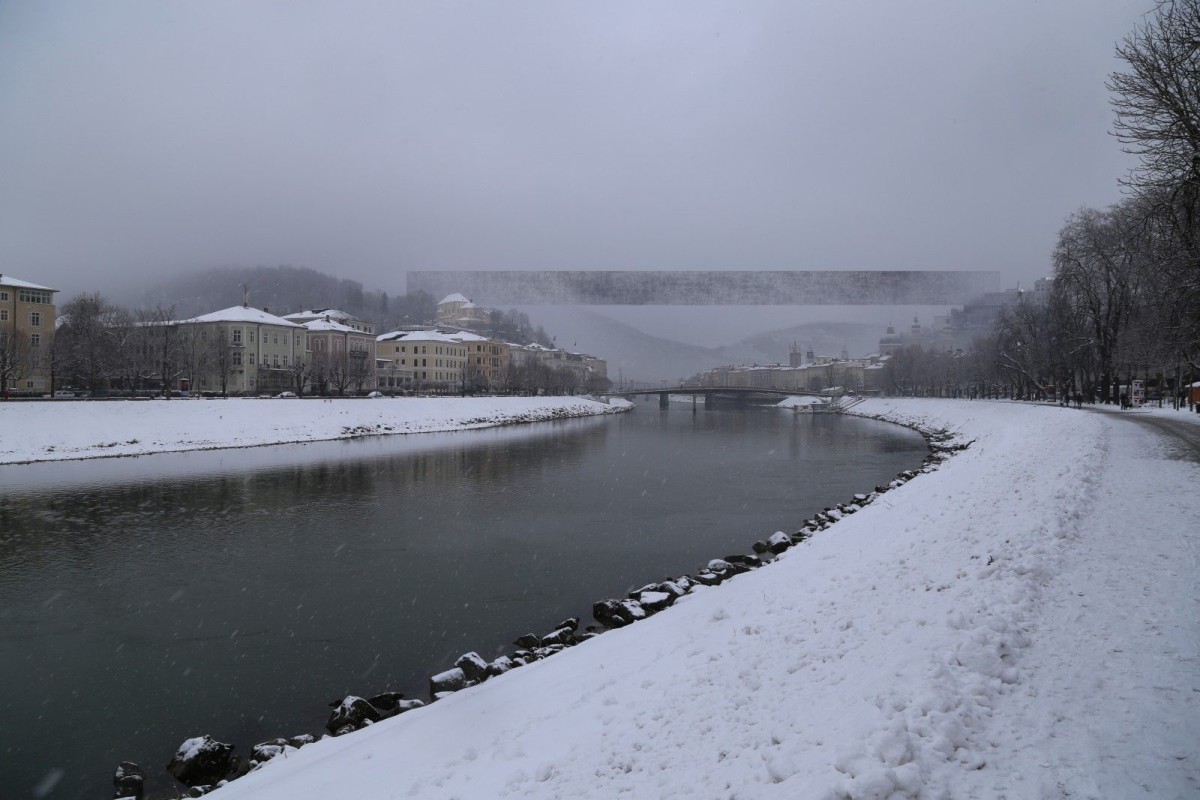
x=1125 y=296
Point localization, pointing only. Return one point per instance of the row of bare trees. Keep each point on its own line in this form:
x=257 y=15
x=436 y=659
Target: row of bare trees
x=1125 y=301
x=1125 y=297
x=100 y=346
x=530 y=378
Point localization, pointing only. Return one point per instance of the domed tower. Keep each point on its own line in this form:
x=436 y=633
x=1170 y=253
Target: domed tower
x=890 y=342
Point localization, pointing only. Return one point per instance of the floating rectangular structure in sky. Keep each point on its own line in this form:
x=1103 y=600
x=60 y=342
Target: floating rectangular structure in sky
x=715 y=288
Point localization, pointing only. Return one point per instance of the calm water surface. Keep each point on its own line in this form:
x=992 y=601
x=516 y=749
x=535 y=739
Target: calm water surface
x=234 y=593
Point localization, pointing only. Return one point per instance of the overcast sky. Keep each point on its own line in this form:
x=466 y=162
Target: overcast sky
x=364 y=139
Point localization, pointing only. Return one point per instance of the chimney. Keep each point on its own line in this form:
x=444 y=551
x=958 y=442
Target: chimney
x=266 y=310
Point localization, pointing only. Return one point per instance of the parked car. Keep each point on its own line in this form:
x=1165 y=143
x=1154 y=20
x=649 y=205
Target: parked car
x=65 y=394
x=375 y=394
x=284 y=395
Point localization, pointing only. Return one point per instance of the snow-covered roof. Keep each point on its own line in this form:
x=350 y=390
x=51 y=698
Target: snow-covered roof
x=244 y=314
x=420 y=336
x=17 y=283
x=319 y=325
x=332 y=313
x=453 y=298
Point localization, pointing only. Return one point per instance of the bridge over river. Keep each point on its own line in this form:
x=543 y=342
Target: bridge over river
x=715 y=395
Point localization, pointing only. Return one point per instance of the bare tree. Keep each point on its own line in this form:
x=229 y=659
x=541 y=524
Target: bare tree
x=361 y=370
x=194 y=354
x=85 y=342
x=133 y=361
x=1157 y=105
x=1098 y=266
x=300 y=372
x=170 y=353
x=15 y=361
x=338 y=370
x=221 y=359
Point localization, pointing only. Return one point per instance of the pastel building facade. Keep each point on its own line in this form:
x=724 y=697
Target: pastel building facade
x=437 y=359
x=243 y=350
x=27 y=320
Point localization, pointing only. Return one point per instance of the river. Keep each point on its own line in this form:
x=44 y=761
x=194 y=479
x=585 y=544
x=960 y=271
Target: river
x=236 y=593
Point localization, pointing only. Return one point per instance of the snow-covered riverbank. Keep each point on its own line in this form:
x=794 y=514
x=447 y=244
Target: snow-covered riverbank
x=1020 y=623
x=65 y=430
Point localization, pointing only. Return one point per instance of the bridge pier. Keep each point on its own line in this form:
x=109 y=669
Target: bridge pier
x=710 y=401
x=664 y=401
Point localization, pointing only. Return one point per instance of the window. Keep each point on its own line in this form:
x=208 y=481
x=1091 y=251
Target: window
x=285 y=361
x=276 y=361
x=35 y=340
x=35 y=319
x=3 y=295
x=252 y=340
x=285 y=338
x=275 y=338
x=32 y=296
x=237 y=358
x=237 y=335
x=3 y=315
x=252 y=356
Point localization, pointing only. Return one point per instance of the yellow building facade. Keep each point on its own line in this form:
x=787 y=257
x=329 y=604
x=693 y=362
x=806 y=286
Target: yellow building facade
x=27 y=319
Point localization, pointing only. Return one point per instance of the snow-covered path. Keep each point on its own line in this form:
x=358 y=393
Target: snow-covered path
x=1111 y=704
x=1021 y=624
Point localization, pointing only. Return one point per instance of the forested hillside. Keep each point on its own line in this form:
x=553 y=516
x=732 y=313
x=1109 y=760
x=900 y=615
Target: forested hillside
x=282 y=290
